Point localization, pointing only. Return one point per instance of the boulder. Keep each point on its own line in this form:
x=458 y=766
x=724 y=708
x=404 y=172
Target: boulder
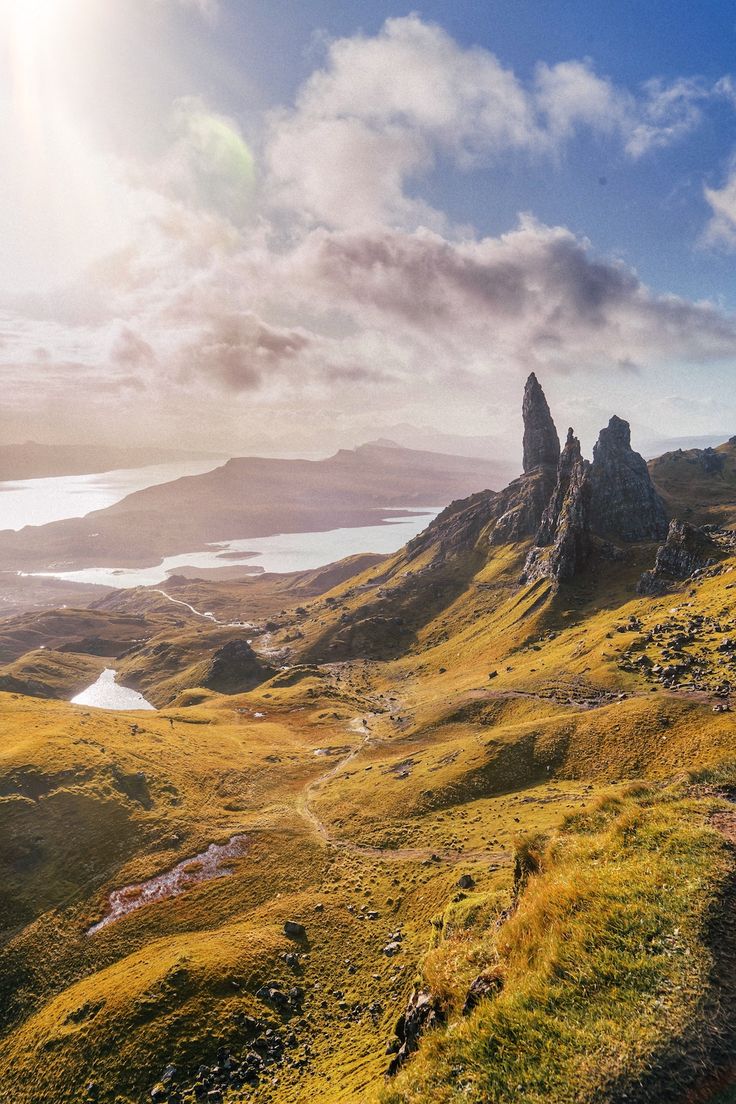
x=420 y=1014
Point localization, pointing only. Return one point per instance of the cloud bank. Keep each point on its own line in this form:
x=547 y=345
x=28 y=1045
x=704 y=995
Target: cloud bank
x=298 y=286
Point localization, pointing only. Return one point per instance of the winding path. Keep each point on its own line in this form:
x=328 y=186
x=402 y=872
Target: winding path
x=389 y=854
x=207 y=616
x=408 y=854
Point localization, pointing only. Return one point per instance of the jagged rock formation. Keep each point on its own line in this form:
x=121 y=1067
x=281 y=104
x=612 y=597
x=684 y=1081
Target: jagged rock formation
x=541 y=443
x=563 y=541
x=686 y=550
x=517 y=510
x=568 y=507
x=515 y=513
x=624 y=504
x=421 y=1014
x=711 y=461
x=612 y=499
x=233 y=669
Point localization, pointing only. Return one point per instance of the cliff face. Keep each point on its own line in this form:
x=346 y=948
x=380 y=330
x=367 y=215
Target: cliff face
x=563 y=541
x=612 y=499
x=686 y=550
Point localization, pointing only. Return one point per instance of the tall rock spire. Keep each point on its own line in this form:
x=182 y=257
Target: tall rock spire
x=541 y=443
x=563 y=541
x=624 y=504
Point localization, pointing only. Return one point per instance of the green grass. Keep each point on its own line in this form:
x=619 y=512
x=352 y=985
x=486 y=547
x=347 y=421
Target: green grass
x=603 y=964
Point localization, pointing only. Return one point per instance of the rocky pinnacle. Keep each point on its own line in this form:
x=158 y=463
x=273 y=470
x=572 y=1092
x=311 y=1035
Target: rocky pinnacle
x=541 y=443
x=563 y=540
x=624 y=505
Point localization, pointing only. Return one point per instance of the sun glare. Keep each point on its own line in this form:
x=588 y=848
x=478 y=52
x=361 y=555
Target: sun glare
x=32 y=37
x=29 y=16
x=31 y=10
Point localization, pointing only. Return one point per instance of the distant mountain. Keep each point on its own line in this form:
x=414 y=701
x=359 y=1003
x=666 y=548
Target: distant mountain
x=248 y=497
x=656 y=446
x=404 y=435
x=32 y=460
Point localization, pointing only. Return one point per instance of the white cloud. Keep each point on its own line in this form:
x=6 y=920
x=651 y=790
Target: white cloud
x=358 y=298
x=384 y=109
x=721 y=229
x=569 y=95
x=535 y=296
x=668 y=112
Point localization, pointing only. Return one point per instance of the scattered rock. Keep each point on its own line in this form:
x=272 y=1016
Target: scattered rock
x=465 y=881
x=482 y=987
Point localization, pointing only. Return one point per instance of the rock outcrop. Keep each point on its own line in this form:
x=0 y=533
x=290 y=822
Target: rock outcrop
x=687 y=549
x=611 y=500
x=541 y=443
x=421 y=1014
x=233 y=669
x=518 y=510
x=711 y=462
x=624 y=504
x=563 y=542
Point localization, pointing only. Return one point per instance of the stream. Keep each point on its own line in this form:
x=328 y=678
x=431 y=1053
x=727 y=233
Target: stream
x=212 y=863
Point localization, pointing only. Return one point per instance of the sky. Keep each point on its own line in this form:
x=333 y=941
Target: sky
x=291 y=226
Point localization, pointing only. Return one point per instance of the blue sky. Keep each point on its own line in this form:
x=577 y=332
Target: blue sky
x=294 y=224
x=651 y=213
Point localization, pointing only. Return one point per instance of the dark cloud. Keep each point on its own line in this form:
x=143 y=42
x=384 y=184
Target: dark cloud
x=239 y=351
x=536 y=293
x=130 y=350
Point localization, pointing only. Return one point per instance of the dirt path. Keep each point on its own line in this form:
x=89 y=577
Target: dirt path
x=206 y=616
x=388 y=854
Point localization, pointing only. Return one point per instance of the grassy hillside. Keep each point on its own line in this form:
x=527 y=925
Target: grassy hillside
x=458 y=785
x=699 y=485
x=598 y=976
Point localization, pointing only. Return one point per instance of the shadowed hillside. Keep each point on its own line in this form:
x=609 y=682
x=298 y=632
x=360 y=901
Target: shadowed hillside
x=248 y=497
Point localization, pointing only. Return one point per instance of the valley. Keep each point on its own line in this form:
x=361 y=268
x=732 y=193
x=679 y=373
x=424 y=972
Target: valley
x=449 y=823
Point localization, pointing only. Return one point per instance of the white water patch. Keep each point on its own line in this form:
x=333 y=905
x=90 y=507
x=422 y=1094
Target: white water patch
x=210 y=864
x=281 y=553
x=40 y=501
x=107 y=694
